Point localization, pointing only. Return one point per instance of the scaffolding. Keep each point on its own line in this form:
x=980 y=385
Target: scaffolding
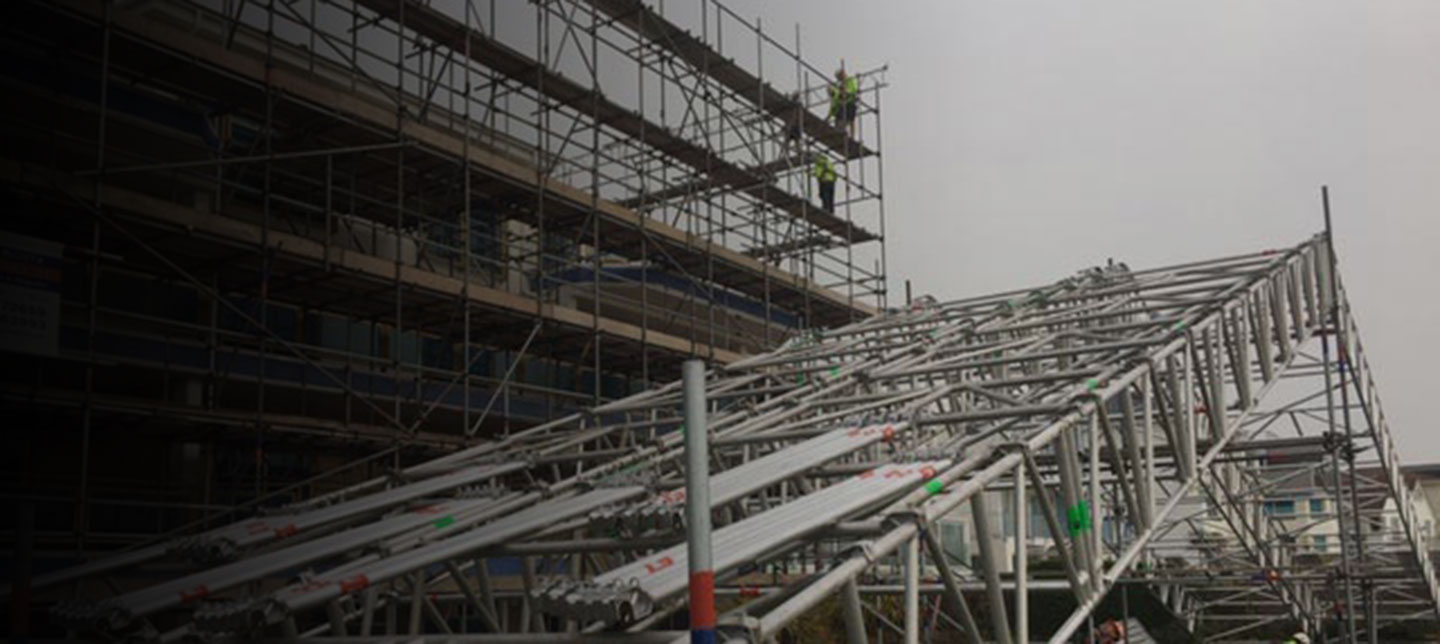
x=394 y=288
x=1150 y=420
x=392 y=228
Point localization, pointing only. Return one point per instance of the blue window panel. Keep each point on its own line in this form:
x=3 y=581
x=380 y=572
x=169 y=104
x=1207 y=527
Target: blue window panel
x=453 y=396
x=279 y=319
x=484 y=233
x=335 y=332
x=408 y=348
x=565 y=379
x=1317 y=506
x=232 y=320
x=442 y=241
x=510 y=566
x=504 y=566
x=1280 y=508
x=361 y=340
x=435 y=352
x=481 y=361
x=613 y=387
x=282 y=320
x=279 y=369
x=360 y=382
x=501 y=363
x=316 y=375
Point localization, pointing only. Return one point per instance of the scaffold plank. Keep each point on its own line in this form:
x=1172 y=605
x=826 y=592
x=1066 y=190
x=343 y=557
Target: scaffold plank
x=632 y=591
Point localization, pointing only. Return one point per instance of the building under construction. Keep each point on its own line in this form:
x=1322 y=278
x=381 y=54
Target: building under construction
x=365 y=319
x=290 y=235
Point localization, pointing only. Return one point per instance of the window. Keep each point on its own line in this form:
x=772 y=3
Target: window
x=1320 y=544
x=1007 y=513
x=1317 y=506
x=952 y=541
x=1280 y=508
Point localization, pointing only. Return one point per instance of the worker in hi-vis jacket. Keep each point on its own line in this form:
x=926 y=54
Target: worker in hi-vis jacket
x=824 y=172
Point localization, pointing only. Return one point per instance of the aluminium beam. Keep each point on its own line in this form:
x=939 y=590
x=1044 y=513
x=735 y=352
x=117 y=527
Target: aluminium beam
x=456 y=541
x=635 y=590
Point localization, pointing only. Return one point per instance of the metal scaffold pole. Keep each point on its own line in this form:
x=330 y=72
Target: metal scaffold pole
x=697 y=507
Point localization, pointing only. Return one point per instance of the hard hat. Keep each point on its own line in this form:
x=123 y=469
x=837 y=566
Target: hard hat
x=1301 y=638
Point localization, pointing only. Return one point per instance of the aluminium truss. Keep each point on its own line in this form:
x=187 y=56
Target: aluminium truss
x=1155 y=418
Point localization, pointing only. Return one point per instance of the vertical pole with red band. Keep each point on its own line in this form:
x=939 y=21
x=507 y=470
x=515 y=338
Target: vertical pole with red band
x=697 y=505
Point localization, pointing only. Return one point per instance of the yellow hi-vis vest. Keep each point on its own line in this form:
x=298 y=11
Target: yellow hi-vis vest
x=824 y=170
x=848 y=93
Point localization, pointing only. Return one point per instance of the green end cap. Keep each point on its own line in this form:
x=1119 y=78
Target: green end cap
x=444 y=521
x=934 y=486
x=1078 y=518
x=1092 y=384
x=834 y=372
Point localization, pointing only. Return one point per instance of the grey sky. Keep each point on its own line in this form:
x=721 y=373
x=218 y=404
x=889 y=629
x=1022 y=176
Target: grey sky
x=1026 y=140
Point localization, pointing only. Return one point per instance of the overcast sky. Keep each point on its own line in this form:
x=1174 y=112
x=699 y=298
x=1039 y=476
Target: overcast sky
x=1027 y=140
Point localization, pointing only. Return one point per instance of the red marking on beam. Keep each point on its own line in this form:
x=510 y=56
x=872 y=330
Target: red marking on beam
x=358 y=582
x=196 y=593
x=659 y=564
